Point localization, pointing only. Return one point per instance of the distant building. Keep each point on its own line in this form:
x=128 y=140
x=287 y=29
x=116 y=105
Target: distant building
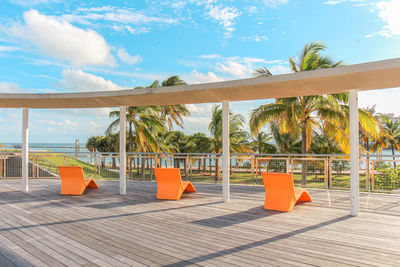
x=391 y=116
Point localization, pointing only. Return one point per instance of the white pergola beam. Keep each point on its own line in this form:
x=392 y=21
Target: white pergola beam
x=122 y=150
x=225 y=152
x=354 y=153
x=25 y=146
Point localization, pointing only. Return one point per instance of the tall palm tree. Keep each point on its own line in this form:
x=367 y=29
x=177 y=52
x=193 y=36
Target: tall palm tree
x=261 y=144
x=391 y=135
x=372 y=143
x=175 y=142
x=144 y=124
x=301 y=115
x=199 y=143
x=171 y=113
x=237 y=135
x=285 y=143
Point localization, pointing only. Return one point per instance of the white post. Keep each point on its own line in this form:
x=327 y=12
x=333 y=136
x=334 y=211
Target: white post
x=354 y=153
x=25 y=153
x=225 y=152
x=122 y=150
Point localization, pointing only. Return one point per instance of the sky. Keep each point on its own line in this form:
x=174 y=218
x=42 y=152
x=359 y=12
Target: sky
x=49 y=46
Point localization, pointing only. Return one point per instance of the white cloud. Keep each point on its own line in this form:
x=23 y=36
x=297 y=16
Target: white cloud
x=279 y=69
x=225 y=17
x=228 y=68
x=251 y=10
x=72 y=124
x=113 y=14
x=8 y=48
x=77 y=80
x=63 y=41
x=33 y=2
x=234 y=68
x=389 y=13
x=385 y=101
x=197 y=123
x=197 y=77
x=275 y=3
x=127 y=58
x=210 y=56
x=139 y=30
x=9 y=88
x=335 y=2
x=256 y=38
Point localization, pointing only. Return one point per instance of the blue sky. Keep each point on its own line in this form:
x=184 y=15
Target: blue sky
x=68 y=46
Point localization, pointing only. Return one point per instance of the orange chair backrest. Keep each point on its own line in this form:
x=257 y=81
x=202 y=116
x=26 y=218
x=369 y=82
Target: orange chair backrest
x=71 y=174
x=168 y=176
x=278 y=185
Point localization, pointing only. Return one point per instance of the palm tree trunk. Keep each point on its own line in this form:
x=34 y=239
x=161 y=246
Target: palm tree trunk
x=303 y=151
x=114 y=163
x=394 y=158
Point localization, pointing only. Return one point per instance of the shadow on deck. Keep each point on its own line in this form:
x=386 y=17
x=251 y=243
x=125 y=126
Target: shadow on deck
x=106 y=229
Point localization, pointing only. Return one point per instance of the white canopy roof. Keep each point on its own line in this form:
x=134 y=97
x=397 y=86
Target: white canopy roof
x=366 y=76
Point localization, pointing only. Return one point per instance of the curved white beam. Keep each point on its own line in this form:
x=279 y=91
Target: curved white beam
x=366 y=76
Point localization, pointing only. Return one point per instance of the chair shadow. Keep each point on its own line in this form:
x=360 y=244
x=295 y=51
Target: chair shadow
x=236 y=218
x=251 y=245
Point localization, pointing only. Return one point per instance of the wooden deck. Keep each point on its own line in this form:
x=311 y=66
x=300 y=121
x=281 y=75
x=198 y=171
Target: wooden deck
x=102 y=228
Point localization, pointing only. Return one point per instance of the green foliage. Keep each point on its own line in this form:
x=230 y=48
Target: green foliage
x=387 y=177
x=339 y=166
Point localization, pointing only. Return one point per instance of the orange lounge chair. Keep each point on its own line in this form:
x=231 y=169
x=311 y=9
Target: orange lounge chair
x=170 y=185
x=73 y=182
x=280 y=193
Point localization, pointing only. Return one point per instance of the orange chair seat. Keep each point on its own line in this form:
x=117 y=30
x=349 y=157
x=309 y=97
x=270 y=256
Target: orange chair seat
x=73 y=181
x=170 y=185
x=280 y=193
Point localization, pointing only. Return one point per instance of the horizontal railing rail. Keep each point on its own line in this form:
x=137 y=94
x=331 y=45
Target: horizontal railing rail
x=378 y=173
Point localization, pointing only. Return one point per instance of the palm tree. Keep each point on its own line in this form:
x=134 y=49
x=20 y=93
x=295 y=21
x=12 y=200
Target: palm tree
x=199 y=143
x=92 y=143
x=144 y=124
x=171 y=113
x=391 y=135
x=175 y=141
x=237 y=135
x=372 y=143
x=108 y=143
x=284 y=142
x=260 y=143
x=301 y=115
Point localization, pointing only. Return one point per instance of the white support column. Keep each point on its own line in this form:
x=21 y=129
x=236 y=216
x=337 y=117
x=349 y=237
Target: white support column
x=25 y=152
x=354 y=153
x=122 y=150
x=225 y=152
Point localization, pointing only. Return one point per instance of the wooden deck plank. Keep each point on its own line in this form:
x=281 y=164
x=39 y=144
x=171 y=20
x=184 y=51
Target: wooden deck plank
x=102 y=228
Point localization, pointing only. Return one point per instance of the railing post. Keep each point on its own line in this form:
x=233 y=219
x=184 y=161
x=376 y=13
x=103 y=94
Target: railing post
x=326 y=172
x=252 y=167
x=288 y=164
x=372 y=175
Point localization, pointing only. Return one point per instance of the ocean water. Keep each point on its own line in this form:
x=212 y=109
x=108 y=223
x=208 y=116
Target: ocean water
x=53 y=147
